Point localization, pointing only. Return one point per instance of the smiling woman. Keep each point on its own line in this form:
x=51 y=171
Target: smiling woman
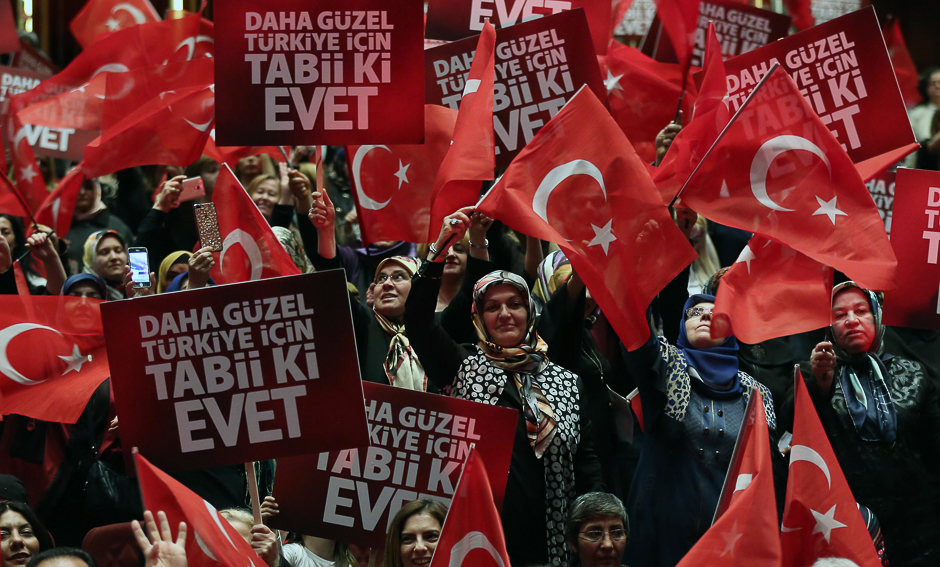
x=21 y=534
x=413 y=534
x=106 y=256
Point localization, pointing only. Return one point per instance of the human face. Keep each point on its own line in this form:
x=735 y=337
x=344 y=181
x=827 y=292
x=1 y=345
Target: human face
x=698 y=329
x=455 y=263
x=86 y=196
x=604 y=553
x=175 y=270
x=852 y=321
x=419 y=540
x=392 y=285
x=85 y=289
x=250 y=166
x=505 y=314
x=18 y=543
x=6 y=231
x=110 y=259
x=266 y=195
x=933 y=88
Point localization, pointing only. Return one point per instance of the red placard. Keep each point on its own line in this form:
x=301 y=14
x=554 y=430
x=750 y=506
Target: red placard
x=419 y=442
x=881 y=188
x=741 y=28
x=825 y=10
x=237 y=373
x=844 y=72
x=30 y=58
x=916 y=242
x=539 y=66
x=636 y=22
x=457 y=19
x=319 y=72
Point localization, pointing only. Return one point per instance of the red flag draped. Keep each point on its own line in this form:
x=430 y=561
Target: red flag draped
x=680 y=20
x=52 y=356
x=746 y=534
x=778 y=171
x=472 y=157
x=606 y=214
x=11 y=201
x=821 y=518
x=250 y=249
x=56 y=211
x=393 y=185
x=904 y=68
x=103 y=17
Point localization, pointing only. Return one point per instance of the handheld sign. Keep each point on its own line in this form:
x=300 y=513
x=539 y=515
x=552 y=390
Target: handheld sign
x=419 y=442
x=236 y=373
x=321 y=72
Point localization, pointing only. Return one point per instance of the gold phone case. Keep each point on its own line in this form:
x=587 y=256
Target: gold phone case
x=208 y=225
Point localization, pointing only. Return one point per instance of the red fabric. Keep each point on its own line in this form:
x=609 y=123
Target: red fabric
x=778 y=171
x=210 y=539
x=231 y=154
x=44 y=357
x=746 y=534
x=105 y=17
x=772 y=291
x=11 y=201
x=78 y=108
x=680 y=20
x=472 y=529
x=618 y=12
x=472 y=156
x=56 y=211
x=36 y=476
x=608 y=217
x=873 y=167
x=904 y=68
x=9 y=37
x=802 y=13
x=259 y=254
x=393 y=185
x=26 y=173
x=820 y=518
x=642 y=94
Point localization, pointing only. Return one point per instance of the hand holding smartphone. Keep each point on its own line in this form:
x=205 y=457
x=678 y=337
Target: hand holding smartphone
x=208 y=225
x=140 y=267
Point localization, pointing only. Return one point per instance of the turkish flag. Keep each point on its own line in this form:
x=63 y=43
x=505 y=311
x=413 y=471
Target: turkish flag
x=746 y=533
x=29 y=180
x=802 y=12
x=821 y=518
x=78 y=108
x=210 y=539
x=11 y=201
x=393 y=185
x=108 y=16
x=472 y=156
x=472 y=528
x=680 y=20
x=258 y=255
x=772 y=291
x=606 y=213
x=231 y=154
x=642 y=95
x=52 y=356
x=904 y=68
x=873 y=167
x=777 y=171
x=56 y=211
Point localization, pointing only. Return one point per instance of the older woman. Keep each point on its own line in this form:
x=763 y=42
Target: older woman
x=413 y=534
x=598 y=529
x=882 y=417
x=508 y=367
x=106 y=257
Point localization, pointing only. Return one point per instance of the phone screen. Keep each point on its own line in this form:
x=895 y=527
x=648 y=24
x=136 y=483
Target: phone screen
x=140 y=266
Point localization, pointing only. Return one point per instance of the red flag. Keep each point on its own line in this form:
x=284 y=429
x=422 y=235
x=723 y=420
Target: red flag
x=50 y=362
x=472 y=156
x=802 y=13
x=56 y=211
x=608 y=218
x=211 y=540
x=772 y=291
x=821 y=518
x=29 y=180
x=680 y=20
x=9 y=37
x=873 y=167
x=746 y=534
x=904 y=68
x=778 y=171
x=393 y=185
x=11 y=201
x=231 y=154
x=642 y=94
x=103 y=17
x=259 y=254
x=472 y=526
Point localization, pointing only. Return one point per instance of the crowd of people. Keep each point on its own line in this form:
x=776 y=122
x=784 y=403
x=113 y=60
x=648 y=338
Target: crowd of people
x=493 y=316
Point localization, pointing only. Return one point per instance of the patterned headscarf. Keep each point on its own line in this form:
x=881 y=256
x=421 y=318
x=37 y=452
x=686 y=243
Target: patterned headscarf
x=402 y=366
x=90 y=254
x=554 y=271
x=295 y=248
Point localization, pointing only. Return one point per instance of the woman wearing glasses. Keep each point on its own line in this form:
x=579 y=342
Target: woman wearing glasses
x=693 y=399
x=598 y=529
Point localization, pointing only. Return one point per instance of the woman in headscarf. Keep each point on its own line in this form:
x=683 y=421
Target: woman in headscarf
x=106 y=256
x=172 y=266
x=553 y=459
x=91 y=215
x=693 y=398
x=882 y=418
x=295 y=248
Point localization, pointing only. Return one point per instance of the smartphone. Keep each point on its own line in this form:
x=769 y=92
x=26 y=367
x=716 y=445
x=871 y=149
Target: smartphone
x=193 y=188
x=140 y=267
x=208 y=225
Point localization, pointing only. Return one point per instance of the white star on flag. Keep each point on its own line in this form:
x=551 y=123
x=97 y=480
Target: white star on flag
x=28 y=173
x=113 y=25
x=74 y=360
x=731 y=539
x=746 y=256
x=613 y=82
x=829 y=209
x=402 y=173
x=603 y=236
x=825 y=523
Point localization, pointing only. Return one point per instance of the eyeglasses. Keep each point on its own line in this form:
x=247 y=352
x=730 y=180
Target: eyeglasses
x=594 y=536
x=697 y=311
x=396 y=277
